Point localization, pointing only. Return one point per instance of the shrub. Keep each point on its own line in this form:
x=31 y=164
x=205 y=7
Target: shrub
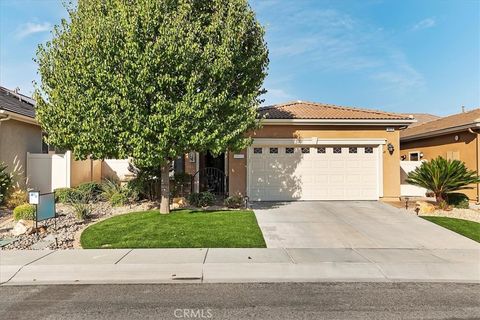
x=443 y=176
x=235 y=201
x=202 y=199
x=181 y=183
x=16 y=198
x=110 y=187
x=118 y=199
x=6 y=182
x=65 y=195
x=24 y=211
x=458 y=200
x=81 y=207
x=91 y=190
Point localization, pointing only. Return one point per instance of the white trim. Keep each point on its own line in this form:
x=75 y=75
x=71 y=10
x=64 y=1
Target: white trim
x=349 y=122
x=441 y=132
x=19 y=117
x=318 y=141
x=380 y=176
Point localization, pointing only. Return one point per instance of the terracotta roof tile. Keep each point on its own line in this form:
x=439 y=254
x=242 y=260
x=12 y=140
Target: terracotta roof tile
x=312 y=110
x=456 y=120
x=422 y=118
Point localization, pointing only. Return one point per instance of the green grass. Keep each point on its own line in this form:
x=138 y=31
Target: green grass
x=179 y=229
x=469 y=229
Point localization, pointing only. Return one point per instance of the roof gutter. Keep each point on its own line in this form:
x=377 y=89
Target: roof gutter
x=344 y=122
x=15 y=116
x=473 y=125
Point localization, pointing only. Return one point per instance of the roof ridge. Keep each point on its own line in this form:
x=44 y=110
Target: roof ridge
x=443 y=118
x=334 y=106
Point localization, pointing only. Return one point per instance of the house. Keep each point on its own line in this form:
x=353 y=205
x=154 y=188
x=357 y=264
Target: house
x=311 y=151
x=452 y=137
x=19 y=131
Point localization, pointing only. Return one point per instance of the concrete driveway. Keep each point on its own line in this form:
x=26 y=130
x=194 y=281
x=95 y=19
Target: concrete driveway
x=351 y=224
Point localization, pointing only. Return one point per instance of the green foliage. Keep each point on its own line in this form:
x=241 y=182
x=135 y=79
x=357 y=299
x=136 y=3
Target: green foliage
x=181 y=183
x=110 y=187
x=81 y=204
x=91 y=190
x=6 y=182
x=458 y=200
x=235 y=201
x=24 y=211
x=16 y=198
x=146 y=181
x=64 y=195
x=443 y=176
x=469 y=229
x=118 y=199
x=152 y=79
x=201 y=199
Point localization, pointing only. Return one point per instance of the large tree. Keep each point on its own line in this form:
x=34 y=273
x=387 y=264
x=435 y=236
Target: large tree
x=152 y=79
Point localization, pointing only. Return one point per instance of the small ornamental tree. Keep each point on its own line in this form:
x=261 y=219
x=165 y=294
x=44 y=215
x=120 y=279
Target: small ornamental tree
x=442 y=177
x=152 y=80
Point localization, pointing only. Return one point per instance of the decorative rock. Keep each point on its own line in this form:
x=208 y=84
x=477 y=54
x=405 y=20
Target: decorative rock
x=20 y=228
x=425 y=207
x=180 y=201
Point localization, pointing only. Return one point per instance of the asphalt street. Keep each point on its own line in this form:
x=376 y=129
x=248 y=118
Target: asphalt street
x=243 y=301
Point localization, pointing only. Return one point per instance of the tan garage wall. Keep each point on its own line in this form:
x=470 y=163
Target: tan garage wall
x=391 y=163
x=16 y=139
x=465 y=149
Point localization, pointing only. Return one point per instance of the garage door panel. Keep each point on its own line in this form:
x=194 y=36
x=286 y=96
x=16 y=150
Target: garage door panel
x=313 y=175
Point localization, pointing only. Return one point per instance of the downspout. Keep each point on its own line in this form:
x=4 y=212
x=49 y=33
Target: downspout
x=478 y=160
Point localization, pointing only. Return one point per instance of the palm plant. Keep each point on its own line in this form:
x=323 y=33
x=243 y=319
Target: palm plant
x=443 y=176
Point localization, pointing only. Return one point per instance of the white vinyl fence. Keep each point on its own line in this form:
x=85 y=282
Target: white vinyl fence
x=47 y=172
x=408 y=190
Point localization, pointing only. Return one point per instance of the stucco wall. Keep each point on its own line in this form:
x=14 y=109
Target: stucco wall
x=466 y=148
x=391 y=163
x=16 y=139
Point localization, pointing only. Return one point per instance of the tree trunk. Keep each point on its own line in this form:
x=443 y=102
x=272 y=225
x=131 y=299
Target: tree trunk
x=165 y=189
x=439 y=198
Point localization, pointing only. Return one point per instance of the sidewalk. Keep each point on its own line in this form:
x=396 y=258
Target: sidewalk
x=237 y=265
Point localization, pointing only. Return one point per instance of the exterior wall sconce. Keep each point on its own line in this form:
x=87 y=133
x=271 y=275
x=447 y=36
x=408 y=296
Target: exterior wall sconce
x=390 y=148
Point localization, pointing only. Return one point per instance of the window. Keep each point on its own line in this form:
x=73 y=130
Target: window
x=337 y=150
x=414 y=156
x=368 y=150
x=273 y=150
x=321 y=150
x=305 y=150
x=289 y=150
x=352 y=150
x=257 y=150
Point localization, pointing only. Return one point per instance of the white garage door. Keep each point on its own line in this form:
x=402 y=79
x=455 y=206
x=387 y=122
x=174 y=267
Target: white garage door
x=313 y=173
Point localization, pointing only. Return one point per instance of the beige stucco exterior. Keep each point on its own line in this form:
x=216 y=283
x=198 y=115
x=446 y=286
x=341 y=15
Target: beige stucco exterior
x=237 y=167
x=16 y=139
x=465 y=149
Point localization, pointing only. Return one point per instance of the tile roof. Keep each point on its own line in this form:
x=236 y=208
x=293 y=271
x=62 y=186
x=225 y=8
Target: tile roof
x=312 y=110
x=457 y=120
x=422 y=118
x=12 y=102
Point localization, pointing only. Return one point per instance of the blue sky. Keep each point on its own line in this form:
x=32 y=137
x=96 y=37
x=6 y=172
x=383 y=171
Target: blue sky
x=394 y=55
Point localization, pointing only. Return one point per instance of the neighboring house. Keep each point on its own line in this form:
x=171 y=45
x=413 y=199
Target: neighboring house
x=422 y=118
x=310 y=151
x=452 y=137
x=19 y=131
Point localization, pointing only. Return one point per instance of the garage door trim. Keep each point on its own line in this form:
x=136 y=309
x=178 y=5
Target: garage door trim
x=267 y=142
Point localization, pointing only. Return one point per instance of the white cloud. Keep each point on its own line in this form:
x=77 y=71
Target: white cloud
x=275 y=95
x=424 y=24
x=30 y=28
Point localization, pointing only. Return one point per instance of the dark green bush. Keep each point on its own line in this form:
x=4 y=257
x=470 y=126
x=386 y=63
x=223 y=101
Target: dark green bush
x=458 y=200
x=24 y=211
x=181 y=184
x=202 y=199
x=89 y=190
x=64 y=195
x=235 y=201
x=6 y=182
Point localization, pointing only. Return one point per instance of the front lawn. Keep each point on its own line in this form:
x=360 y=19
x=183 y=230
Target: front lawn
x=469 y=229
x=179 y=229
